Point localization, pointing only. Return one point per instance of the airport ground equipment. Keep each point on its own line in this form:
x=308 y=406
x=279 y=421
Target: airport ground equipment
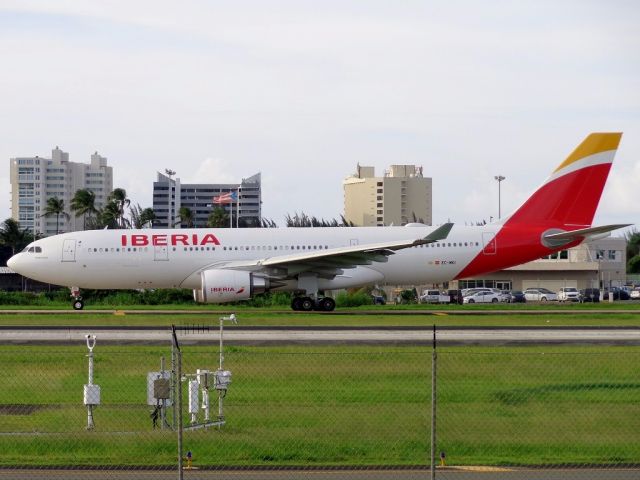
x=91 y=391
x=159 y=394
x=203 y=381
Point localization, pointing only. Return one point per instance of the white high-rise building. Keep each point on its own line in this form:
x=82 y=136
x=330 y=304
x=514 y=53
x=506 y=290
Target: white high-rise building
x=35 y=179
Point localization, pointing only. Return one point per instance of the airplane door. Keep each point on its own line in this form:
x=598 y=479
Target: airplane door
x=489 y=246
x=160 y=253
x=69 y=251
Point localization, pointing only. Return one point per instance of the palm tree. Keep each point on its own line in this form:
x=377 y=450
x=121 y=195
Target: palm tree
x=119 y=196
x=11 y=235
x=218 y=218
x=84 y=203
x=55 y=206
x=186 y=216
x=141 y=217
x=109 y=216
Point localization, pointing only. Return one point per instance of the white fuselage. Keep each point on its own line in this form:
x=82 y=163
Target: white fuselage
x=126 y=259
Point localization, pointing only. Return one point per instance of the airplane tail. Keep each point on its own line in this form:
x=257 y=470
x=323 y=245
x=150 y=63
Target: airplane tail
x=570 y=196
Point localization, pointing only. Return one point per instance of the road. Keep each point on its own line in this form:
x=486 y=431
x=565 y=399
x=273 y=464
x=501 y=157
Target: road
x=360 y=474
x=329 y=335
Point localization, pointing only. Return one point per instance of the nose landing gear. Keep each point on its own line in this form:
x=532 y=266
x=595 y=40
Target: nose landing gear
x=77 y=303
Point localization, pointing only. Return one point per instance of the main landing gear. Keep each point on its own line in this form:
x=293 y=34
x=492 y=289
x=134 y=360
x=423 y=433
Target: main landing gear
x=77 y=303
x=306 y=304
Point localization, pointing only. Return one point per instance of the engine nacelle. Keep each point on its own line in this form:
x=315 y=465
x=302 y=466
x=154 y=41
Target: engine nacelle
x=221 y=286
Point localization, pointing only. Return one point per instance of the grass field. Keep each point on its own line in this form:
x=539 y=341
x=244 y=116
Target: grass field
x=249 y=317
x=332 y=405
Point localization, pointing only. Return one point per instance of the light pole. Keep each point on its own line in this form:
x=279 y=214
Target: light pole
x=170 y=173
x=499 y=179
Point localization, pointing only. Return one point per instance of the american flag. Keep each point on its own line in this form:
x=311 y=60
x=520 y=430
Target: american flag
x=225 y=198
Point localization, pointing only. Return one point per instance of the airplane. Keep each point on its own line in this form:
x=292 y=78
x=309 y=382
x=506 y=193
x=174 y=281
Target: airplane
x=228 y=265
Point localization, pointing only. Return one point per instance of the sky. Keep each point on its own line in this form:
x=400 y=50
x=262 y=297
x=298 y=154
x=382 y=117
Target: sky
x=303 y=91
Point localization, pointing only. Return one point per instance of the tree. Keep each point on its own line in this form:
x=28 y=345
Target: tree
x=11 y=235
x=218 y=218
x=141 y=217
x=186 y=217
x=55 y=206
x=633 y=251
x=304 y=220
x=84 y=203
x=109 y=216
x=119 y=197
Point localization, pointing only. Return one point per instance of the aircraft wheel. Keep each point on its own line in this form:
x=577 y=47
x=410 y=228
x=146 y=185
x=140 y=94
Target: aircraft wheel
x=306 y=304
x=327 y=304
x=296 y=304
x=78 y=304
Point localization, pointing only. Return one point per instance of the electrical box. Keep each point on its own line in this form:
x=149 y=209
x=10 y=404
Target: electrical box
x=91 y=395
x=223 y=379
x=158 y=388
x=194 y=401
x=203 y=377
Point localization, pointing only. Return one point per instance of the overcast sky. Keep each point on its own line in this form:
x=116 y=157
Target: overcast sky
x=302 y=91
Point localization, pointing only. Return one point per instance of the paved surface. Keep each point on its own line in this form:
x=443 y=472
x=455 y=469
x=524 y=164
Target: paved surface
x=557 y=310
x=306 y=335
x=452 y=474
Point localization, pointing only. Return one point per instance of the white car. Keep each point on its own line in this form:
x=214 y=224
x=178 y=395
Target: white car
x=569 y=294
x=635 y=294
x=540 y=295
x=484 y=296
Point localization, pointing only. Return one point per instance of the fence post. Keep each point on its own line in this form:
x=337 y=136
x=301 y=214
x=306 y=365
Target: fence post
x=178 y=396
x=434 y=358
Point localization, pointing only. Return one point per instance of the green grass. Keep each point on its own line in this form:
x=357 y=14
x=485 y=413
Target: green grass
x=333 y=405
x=267 y=317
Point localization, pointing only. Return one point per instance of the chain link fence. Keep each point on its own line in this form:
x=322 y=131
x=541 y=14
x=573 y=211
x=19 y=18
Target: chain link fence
x=293 y=408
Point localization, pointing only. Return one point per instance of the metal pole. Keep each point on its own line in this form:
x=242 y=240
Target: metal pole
x=499 y=178
x=179 y=402
x=163 y=416
x=434 y=357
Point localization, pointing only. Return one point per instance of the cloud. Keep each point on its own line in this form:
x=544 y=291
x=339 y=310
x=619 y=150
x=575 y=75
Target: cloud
x=212 y=170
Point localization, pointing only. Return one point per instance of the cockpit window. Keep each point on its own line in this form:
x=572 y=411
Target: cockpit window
x=38 y=249
x=32 y=249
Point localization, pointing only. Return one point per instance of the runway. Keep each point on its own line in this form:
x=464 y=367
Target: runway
x=329 y=335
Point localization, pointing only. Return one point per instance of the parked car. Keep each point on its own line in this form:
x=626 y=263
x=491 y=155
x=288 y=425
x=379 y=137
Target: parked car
x=568 y=294
x=471 y=291
x=455 y=296
x=482 y=297
x=540 y=295
x=590 y=295
x=517 y=296
x=635 y=294
x=378 y=300
x=618 y=294
x=505 y=296
x=433 y=296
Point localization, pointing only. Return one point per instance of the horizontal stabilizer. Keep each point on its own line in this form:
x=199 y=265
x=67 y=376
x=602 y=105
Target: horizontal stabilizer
x=583 y=232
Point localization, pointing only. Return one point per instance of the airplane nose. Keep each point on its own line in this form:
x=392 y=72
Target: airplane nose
x=12 y=263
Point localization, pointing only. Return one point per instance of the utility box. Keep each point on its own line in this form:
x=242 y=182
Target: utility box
x=91 y=395
x=223 y=379
x=158 y=388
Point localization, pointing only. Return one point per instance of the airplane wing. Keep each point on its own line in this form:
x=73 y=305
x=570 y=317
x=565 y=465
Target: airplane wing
x=584 y=232
x=331 y=262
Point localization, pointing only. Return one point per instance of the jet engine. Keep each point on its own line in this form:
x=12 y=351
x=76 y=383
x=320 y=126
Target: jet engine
x=221 y=286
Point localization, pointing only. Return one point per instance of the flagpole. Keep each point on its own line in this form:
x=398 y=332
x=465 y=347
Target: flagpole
x=238 y=208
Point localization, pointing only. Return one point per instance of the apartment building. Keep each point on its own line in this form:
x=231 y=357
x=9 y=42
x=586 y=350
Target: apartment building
x=402 y=195
x=35 y=179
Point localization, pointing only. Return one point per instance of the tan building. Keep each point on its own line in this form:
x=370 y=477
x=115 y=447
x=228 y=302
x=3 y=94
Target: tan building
x=597 y=264
x=402 y=195
x=35 y=179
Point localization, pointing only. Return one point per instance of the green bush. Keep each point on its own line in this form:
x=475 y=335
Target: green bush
x=355 y=299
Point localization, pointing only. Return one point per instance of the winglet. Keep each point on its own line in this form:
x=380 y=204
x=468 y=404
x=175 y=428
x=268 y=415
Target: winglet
x=439 y=233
